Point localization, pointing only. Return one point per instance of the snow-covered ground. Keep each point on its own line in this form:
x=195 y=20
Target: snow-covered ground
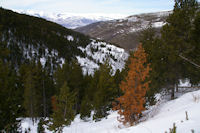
x=165 y=113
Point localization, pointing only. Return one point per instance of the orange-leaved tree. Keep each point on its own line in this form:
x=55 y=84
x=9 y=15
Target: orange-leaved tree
x=135 y=86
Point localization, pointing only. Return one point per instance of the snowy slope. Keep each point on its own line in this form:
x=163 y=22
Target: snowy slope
x=165 y=114
x=95 y=54
x=72 y=20
x=98 y=52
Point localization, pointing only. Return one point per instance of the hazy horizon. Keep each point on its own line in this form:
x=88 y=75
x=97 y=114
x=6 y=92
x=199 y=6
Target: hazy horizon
x=106 y=7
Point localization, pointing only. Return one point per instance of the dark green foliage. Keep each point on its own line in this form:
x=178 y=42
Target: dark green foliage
x=177 y=39
x=95 y=92
x=10 y=99
x=100 y=92
x=86 y=108
x=40 y=128
x=118 y=77
x=86 y=103
x=176 y=36
x=194 y=54
x=72 y=74
x=10 y=94
x=63 y=113
x=38 y=89
x=105 y=92
x=153 y=47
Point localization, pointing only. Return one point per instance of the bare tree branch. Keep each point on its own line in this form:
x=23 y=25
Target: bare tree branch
x=198 y=66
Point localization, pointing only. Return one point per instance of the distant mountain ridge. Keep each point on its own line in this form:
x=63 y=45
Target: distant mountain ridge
x=124 y=32
x=72 y=21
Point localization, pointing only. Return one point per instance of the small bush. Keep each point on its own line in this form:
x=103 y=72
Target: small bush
x=196 y=98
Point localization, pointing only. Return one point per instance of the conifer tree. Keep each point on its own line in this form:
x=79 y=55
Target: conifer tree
x=30 y=101
x=10 y=100
x=38 y=89
x=106 y=92
x=86 y=108
x=131 y=104
x=63 y=112
x=194 y=54
x=72 y=74
x=152 y=45
x=86 y=102
x=10 y=93
x=176 y=41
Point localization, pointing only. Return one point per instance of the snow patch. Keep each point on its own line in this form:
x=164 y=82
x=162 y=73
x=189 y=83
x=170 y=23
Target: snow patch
x=69 y=38
x=158 y=24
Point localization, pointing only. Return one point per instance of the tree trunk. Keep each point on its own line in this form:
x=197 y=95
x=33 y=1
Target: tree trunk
x=176 y=85
x=44 y=100
x=172 y=93
x=65 y=111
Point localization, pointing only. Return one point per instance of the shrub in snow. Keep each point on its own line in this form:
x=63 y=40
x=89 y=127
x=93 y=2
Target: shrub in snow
x=196 y=98
x=173 y=130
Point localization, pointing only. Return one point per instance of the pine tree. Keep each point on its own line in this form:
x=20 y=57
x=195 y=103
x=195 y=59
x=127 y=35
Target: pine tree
x=106 y=92
x=86 y=108
x=38 y=88
x=118 y=77
x=194 y=54
x=86 y=102
x=63 y=112
x=176 y=41
x=131 y=104
x=10 y=93
x=152 y=45
x=30 y=101
x=10 y=99
x=72 y=74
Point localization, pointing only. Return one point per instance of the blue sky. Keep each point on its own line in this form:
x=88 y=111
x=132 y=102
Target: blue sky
x=126 y=7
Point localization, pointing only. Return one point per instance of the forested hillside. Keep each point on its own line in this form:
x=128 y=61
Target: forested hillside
x=39 y=58
x=29 y=37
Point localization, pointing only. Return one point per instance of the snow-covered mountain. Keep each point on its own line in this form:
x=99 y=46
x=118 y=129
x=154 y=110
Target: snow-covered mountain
x=73 y=20
x=124 y=32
